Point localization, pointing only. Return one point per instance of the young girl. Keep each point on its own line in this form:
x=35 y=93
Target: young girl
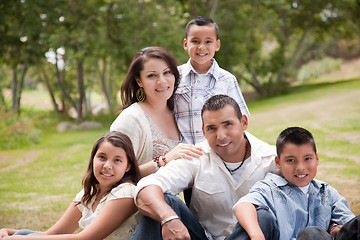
x=104 y=208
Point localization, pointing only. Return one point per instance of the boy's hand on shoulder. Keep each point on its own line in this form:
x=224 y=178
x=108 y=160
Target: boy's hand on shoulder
x=334 y=230
x=176 y=230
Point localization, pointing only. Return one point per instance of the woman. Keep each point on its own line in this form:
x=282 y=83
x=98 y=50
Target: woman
x=147 y=118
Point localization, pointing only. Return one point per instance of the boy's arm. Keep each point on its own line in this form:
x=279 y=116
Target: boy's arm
x=246 y=214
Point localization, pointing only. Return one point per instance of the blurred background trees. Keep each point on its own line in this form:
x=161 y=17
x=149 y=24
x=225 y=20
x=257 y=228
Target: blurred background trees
x=74 y=48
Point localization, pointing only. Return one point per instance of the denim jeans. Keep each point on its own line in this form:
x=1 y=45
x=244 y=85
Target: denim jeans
x=267 y=223
x=350 y=231
x=26 y=232
x=312 y=232
x=151 y=229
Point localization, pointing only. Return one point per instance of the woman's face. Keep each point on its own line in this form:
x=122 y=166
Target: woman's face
x=157 y=80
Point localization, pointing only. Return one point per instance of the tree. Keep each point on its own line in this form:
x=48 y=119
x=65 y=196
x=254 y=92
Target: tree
x=21 y=44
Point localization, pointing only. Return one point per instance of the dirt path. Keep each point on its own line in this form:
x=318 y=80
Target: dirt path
x=22 y=161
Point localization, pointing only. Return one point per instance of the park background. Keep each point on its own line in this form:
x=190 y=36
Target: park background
x=62 y=63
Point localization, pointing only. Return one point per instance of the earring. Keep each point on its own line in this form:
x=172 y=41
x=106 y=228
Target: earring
x=140 y=94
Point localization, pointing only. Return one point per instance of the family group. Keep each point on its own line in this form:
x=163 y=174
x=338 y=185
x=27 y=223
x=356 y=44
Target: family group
x=183 y=129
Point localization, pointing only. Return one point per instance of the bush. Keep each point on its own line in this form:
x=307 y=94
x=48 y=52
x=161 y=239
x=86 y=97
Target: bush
x=16 y=132
x=315 y=68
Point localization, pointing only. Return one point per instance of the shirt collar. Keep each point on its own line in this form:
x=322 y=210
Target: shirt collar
x=188 y=68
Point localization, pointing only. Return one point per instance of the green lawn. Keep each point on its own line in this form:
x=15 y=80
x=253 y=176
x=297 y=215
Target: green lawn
x=37 y=183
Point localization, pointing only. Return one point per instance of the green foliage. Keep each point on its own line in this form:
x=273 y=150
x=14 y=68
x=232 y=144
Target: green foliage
x=315 y=68
x=17 y=131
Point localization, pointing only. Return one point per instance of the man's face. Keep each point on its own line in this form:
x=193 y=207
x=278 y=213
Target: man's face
x=225 y=133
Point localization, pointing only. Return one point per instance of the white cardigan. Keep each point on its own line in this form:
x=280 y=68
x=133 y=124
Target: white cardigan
x=134 y=123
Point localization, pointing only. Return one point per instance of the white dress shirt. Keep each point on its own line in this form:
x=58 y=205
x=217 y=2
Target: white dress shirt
x=215 y=191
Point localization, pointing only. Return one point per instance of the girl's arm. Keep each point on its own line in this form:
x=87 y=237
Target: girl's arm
x=245 y=213
x=68 y=223
x=4 y=232
x=113 y=214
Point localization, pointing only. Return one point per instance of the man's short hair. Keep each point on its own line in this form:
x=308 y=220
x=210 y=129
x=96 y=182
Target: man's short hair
x=202 y=21
x=218 y=102
x=294 y=135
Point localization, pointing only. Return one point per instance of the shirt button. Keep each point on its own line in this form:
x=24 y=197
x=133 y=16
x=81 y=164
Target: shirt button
x=195 y=114
x=196 y=98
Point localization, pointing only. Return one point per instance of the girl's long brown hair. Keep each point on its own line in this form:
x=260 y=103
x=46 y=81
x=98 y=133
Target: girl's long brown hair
x=90 y=183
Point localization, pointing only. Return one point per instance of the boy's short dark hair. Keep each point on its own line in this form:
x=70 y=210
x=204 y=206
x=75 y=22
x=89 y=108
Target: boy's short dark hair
x=202 y=21
x=220 y=101
x=294 y=135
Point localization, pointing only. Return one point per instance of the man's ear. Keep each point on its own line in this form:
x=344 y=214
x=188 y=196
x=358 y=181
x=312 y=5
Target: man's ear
x=244 y=122
x=202 y=127
x=185 y=44
x=277 y=161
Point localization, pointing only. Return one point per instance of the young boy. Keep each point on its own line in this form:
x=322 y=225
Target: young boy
x=201 y=78
x=296 y=200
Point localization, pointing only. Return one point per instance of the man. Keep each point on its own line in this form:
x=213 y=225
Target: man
x=232 y=162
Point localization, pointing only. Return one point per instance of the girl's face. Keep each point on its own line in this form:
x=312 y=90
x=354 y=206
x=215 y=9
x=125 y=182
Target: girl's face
x=157 y=80
x=109 y=166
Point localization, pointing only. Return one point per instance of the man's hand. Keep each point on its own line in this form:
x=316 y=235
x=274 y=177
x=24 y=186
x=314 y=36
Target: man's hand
x=175 y=230
x=334 y=230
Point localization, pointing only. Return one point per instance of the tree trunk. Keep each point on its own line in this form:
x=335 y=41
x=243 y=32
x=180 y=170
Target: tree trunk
x=81 y=90
x=14 y=84
x=106 y=89
x=3 y=107
x=51 y=92
x=254 y=82
x=65 y=94
x=17 y=87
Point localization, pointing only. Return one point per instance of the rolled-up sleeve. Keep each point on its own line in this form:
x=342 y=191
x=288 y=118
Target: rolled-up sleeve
x=175 y=177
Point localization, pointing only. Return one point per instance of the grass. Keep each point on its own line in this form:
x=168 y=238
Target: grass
x=37 y=183
x=37 y=191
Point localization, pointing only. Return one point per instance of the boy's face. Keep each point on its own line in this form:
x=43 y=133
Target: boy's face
x=298 y=163
x=201 y=44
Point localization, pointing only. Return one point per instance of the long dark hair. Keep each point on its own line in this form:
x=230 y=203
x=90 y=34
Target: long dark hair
x=130 y=86
x=90 y=183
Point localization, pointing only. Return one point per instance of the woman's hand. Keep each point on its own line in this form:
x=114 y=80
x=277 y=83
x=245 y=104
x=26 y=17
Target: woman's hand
x=183 y=150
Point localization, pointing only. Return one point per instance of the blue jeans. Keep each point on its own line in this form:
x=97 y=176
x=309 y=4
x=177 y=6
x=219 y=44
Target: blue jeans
x=27 y=232
x=350 y=231
x=151 y=229
x=267 y=223
x=313 y=232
